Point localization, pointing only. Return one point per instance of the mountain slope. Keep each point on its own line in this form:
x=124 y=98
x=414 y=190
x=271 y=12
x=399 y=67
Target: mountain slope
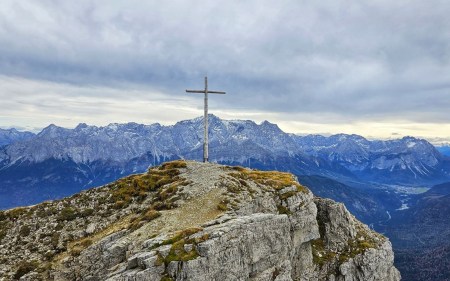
x=193 y=221
x=12 y=135
x=403 y=160
x=369 y=205
x=420 y=235
x=444 y=150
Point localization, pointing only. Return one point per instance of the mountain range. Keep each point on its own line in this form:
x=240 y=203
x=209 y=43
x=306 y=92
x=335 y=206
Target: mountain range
x=58 y=161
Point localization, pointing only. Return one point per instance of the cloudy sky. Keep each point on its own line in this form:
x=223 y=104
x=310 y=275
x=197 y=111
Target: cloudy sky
x=376 y=68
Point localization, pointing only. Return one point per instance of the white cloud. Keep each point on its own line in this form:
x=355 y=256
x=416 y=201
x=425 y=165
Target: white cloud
x=35 y=104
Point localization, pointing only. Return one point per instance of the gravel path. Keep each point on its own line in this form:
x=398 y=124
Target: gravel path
x=201 y=198
x=204 y=177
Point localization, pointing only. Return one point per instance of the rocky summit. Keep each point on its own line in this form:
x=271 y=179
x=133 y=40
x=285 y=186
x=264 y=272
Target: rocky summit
x=186 y=220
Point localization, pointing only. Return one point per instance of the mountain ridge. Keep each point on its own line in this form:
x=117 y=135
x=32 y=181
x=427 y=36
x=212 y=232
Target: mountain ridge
x=273 y=139
x=87 y=156
x=9 y=136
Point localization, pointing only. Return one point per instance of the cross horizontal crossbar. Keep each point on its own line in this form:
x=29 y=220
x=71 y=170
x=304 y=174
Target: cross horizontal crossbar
x=203 y=91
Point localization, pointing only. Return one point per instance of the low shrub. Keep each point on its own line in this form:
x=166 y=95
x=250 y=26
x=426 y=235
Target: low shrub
x=223 y=205
x=3 y=233
x=283 y=210
x=2 y=216
x=24 y=231
x=16 y=213
x=87 y=212
x=67 y=214
x=147 y=216
x=25 y=267
x=151 y=215
x=55 y=239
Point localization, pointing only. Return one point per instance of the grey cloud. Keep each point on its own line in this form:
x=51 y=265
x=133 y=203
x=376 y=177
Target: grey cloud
x=352 y=59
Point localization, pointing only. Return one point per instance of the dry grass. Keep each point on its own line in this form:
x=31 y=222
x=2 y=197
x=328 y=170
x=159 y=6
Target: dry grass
x=365 y=239
x=137 y=187
x=178 y=241
x=276 y=180
x=147 y=216
x=75 y=247
x=191 y=214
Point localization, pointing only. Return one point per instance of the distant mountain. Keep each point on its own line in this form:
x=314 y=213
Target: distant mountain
x=405 y=160
x=59 y=161
x=12 y=135
x=444 y=150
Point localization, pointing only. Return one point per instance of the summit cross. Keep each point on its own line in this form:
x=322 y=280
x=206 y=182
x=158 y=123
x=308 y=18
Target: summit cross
x=205 y=119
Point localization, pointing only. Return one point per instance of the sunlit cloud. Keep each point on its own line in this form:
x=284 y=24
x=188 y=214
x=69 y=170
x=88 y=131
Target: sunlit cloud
x=370 y=68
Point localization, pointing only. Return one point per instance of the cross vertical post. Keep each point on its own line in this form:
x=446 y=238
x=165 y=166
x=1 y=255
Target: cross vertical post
x=205 y=121
x=205 y=118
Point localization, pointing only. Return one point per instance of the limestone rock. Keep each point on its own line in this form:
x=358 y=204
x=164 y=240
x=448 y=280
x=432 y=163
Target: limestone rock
x=197 y=221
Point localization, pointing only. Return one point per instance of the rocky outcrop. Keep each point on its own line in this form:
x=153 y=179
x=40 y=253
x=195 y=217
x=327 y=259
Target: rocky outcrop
x=348 y=250
x=212 y=222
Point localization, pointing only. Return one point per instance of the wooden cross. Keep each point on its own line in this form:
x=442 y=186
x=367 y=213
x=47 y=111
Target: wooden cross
x=205 y=139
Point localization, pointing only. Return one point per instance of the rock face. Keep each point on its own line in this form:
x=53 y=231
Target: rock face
x=198 y=221
x=362 y=254
x=12 y=135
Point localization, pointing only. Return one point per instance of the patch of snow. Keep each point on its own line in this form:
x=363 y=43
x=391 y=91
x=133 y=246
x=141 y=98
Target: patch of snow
x=403 y=207
x=411 y=144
